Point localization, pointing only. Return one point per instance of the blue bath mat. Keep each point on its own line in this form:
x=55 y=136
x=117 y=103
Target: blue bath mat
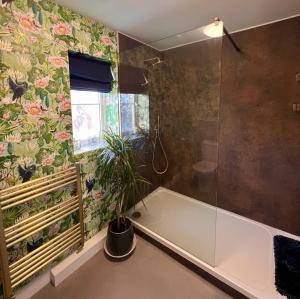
x=287 y=266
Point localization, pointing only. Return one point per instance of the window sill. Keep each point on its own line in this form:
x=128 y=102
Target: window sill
x=89 y=148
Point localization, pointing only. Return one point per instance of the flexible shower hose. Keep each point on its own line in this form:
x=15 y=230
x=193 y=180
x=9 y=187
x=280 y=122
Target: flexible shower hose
x=157 y=138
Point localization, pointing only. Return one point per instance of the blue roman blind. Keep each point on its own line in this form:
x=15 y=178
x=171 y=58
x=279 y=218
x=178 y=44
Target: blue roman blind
x=90 y=73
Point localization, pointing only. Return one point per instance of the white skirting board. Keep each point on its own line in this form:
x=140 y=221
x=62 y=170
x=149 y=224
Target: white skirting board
x=64 y=269
x=73 y=262
x=34 y=286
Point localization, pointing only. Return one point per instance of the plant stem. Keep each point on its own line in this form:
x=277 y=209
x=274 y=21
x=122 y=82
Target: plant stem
x=118 y=224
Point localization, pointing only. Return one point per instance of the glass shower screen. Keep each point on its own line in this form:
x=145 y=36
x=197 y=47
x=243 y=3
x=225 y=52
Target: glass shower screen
x=182 y=80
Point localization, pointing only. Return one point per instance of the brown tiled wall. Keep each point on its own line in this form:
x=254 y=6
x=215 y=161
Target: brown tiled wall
x=189 y=114
x=259 y=154
x=257 y=132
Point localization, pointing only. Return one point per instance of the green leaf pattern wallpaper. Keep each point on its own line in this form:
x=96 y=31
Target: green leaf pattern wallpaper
x=35 y=106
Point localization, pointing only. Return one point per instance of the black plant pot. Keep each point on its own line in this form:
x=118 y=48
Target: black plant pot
x=119 y=242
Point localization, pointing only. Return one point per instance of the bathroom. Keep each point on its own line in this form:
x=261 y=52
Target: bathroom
x=203 y=95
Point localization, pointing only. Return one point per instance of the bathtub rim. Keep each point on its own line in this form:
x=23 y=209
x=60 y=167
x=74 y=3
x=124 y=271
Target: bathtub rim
x=225 y=278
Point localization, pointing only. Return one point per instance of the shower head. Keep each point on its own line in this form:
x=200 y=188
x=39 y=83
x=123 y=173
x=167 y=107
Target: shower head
x=150 y=62
x=146 y=81
x=153 y=61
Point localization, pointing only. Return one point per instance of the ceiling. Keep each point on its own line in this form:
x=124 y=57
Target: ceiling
x=152 y=20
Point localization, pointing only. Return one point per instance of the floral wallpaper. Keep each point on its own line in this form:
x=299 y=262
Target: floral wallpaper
x=35 y=106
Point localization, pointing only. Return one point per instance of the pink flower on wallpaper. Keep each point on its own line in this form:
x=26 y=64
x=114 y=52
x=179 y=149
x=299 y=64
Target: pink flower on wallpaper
x=19 y=122
x=62 y=29
x=57 y=61
x=62 y=45
x=106 y=40
x=62 y=136
x=98 y=54
x=67 y=119
x=33 y=39
x=54 y=18
x=65 y=167
x=40 y=123
x=41 y=83
x=61 y=97
x=3 y=149
x=65 y=105
x=6 y=115
x=35 y=109
x=48 y=160
x=27 y=22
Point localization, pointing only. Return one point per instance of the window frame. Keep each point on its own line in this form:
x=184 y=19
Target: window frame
x=101 y=105
x=102 y=116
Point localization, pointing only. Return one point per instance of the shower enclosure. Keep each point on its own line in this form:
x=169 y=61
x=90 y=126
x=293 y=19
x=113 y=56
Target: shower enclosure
x=229 y=133
x=183 y=89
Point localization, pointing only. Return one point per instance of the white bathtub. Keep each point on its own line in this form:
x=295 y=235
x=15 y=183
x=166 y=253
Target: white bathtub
x=234 y=249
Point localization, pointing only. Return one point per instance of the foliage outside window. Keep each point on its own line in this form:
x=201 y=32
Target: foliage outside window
x=93 y=113
x=134 y=114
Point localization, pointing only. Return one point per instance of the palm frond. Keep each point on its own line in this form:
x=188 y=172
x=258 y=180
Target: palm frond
x=118 y=173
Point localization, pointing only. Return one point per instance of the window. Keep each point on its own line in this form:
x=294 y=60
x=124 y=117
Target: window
x=134 y=114
x=94 y=112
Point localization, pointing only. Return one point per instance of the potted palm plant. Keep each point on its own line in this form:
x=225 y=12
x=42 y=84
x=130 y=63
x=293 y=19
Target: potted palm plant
x=121 y=181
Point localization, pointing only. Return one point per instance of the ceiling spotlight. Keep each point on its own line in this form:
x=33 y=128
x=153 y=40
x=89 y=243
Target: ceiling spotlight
x=214 y=29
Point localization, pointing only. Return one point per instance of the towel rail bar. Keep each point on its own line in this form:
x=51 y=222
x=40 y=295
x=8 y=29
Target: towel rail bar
x=44 y=264
x=43 y=254
x=40 y=250
x=13 y=274
x=13 y=204
x=29 y=188
x=33 y=182
x=35 y=218
x=36 y=191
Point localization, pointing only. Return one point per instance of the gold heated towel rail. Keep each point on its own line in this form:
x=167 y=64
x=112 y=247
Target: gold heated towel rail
x=13 y=274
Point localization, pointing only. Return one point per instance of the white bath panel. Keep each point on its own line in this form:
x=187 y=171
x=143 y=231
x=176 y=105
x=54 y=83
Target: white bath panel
x=244 y=251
